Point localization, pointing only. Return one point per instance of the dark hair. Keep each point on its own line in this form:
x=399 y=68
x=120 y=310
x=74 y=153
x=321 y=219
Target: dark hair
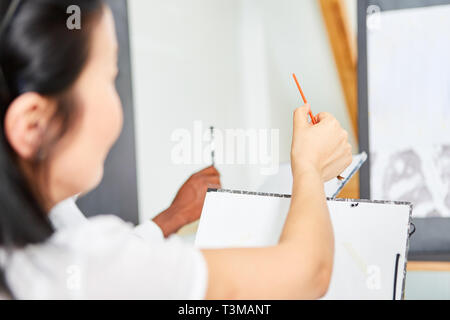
x=38 y=53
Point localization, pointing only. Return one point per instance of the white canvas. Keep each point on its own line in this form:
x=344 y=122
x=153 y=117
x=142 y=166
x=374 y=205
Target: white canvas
x=368 y=236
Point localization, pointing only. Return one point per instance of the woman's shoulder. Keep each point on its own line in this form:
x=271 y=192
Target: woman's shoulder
x=96 y=227
x=49 y=269
x=97 y=232
x=105 y=259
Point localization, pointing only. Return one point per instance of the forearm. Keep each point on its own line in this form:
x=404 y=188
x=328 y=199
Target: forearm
x=297 y=268
x=308 y=216
x=308 y=230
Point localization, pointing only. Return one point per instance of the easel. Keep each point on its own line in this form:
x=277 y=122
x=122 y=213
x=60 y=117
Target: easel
x=343 y=44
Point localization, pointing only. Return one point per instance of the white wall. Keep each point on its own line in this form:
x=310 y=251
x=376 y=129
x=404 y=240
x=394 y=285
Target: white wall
x=184 y=69
x=229 y=64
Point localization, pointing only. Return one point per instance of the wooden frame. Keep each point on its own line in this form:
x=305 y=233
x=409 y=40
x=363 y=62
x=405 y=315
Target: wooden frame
x=343 y=45
x=428 y=266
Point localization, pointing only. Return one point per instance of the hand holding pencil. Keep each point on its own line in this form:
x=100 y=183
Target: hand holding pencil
x=328 y=136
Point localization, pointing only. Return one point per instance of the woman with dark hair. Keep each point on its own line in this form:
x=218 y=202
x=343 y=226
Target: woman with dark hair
x=60 y=115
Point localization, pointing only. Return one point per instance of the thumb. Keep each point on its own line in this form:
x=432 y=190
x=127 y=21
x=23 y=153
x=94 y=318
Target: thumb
x=301 y=116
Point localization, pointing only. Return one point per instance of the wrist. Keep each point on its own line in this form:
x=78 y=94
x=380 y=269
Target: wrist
x=170 y=221
x=306 y=177
x=301 y=168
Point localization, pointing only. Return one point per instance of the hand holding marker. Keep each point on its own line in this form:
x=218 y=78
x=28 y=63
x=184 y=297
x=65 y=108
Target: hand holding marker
x=313 y=120
x=213 y=147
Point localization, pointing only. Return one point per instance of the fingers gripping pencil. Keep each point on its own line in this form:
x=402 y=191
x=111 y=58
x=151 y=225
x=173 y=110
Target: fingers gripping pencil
x=313 y=120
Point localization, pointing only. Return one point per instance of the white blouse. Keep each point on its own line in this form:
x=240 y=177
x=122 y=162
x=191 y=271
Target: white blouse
x=105 y=258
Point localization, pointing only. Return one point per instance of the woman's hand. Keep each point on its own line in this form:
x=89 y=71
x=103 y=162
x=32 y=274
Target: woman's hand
x=188 y=203
x=322 y=147
x=300 y=266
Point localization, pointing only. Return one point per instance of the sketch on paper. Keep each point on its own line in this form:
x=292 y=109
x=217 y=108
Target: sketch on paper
x=420 y=178
x=409 y=108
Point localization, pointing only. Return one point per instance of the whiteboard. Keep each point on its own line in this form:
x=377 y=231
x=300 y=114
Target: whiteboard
x=409 y=107
x=368 y=237
x=403 y=111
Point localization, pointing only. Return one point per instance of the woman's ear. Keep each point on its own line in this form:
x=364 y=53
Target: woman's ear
x=26 y=120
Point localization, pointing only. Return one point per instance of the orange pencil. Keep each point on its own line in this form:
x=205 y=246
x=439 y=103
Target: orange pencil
x=313 y=120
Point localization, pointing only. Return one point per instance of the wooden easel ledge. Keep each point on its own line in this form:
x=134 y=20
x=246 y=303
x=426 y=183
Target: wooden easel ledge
x=428 y=266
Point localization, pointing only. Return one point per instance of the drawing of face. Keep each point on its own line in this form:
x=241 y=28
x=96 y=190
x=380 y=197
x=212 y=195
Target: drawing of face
x=404 y=180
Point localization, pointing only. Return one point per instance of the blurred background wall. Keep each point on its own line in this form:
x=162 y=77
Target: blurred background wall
x=227 y=63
